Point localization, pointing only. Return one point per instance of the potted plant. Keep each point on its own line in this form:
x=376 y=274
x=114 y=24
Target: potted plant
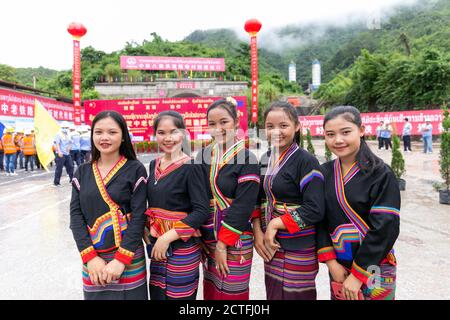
x=302 y=139
x=146 y=147
x=310 y=146
x=328 y=153
x=398 y=163
x=153 y=147
x=444 y=159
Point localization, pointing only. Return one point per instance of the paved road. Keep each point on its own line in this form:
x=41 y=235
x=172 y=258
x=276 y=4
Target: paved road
x=40 y=260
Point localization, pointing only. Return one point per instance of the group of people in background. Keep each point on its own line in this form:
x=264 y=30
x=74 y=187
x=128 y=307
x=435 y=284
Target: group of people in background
x=210 y=211
x=18 y=150
x=385 y=131
x=72 y=147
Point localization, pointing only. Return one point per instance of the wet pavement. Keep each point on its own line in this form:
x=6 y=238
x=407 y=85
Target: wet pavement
x=40 y=259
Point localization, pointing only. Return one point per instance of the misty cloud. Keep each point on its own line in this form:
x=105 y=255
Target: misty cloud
x=307 y=32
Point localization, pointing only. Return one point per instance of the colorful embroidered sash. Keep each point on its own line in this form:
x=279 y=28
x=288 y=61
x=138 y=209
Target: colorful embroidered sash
x=279 y=209
x=273 y=167
x=355 y=219
x=351 y=214
x=114 y=219
x=217 y=162
x=161 y=221
x=159 y=174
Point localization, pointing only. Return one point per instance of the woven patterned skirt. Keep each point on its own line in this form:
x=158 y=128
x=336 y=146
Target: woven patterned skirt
x=291 y=275
x=382 y=287
x=236 y=285
x=132 y=285
x=177 y=277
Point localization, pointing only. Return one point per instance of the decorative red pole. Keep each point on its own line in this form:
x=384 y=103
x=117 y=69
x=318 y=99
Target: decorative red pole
x=77 y=30
x=253 y=26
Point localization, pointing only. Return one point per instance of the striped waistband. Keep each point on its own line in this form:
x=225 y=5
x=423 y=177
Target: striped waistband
x=161 y=221
x=158 y=213
x=280 y=208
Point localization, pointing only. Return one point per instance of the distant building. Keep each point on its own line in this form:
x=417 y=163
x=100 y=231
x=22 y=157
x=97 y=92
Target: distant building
x=292 y=72
x=316 y=75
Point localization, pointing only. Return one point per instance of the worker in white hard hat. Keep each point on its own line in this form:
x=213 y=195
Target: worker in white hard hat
x=63 y=145
x=18 y=137
x=85 y=144
x=65 y=124
x=29 y=149
x=75 y=150
x=9 y=149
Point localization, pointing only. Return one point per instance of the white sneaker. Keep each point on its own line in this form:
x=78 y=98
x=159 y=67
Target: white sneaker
x=14 y=174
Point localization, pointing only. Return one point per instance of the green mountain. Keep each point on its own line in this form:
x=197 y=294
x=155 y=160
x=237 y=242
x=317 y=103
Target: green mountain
x=25 y=75
x=422 y=25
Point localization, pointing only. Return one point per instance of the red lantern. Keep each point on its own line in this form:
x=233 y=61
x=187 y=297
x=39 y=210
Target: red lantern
x=76 y=29
x=252 y=26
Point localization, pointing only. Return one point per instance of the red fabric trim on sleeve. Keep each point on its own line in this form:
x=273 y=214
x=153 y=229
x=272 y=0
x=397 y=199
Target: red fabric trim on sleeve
x=361 y=274
x=256 y=214
x=326 y=254
x=228 y=237
x=290 y=223
x=88 y=254
x=124 y=256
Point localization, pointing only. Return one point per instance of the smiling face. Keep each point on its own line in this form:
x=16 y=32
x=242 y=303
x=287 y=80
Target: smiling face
x=280 y=129
x=107 y=136
x=343 y=137
x=221 y=126
x=168 y=136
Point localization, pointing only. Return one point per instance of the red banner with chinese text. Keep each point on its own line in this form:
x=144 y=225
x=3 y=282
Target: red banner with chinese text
x=140 y=113
x=172 y=63
x=21 y=105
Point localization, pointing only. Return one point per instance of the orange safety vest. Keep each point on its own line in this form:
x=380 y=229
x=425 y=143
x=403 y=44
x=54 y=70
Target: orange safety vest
x=17 y=142
x=28 y=146
x=8 y=144
x=1 y=145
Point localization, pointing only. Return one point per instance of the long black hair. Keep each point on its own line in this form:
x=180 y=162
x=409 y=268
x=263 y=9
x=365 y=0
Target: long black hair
x=178 y=121
x=126 y=147
x=289 y=109
x=366 y=159
x=228 y=104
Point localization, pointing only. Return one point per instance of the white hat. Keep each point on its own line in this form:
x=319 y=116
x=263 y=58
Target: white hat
x=65 y=124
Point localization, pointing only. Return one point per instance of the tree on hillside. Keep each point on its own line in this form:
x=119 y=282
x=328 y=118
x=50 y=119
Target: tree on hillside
x=365 y=74
x=7 y=73
x=91 y=55
x=112 y=71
